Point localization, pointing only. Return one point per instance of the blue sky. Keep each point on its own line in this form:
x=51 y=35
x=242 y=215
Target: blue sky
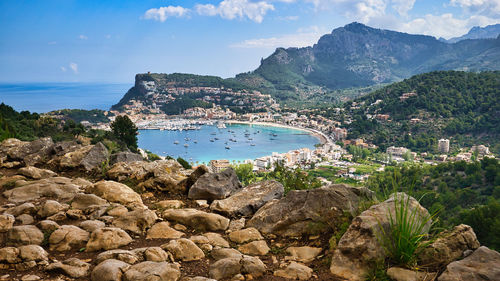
x=112 y=40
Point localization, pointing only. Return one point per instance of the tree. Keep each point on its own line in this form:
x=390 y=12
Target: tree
x=125 y=130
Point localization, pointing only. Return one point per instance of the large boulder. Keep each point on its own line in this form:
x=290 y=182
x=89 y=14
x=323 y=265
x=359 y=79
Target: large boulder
x=30 y=153
x=136 y=221
x=107 y=238
x=249 y=199
x=68 y=237
x=73 y=159
x=360 y=244
x=124 y=156
x=482 y=265
x=36 y=173
x=195 y=175
x=24 y=235
x=449 y=247
x=60 y=189
x=308 y=211
x=148 y=271
x=197 y=219
x=95 y=158
x=117 y=193
x=213 y=186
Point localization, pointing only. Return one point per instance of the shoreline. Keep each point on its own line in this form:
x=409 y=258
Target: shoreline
x=319 y=135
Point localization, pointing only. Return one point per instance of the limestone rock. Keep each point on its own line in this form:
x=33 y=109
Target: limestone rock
x=118 y=193
x=449 y=247
x=237 y=224
x=195 y=175
x=184 y=249
x=84 y=201
x=60 y=189
x=225 y=268
x=6 y=222
x=255 y=248
x=48 y=225
x=36 y=173
x=51 y=207
x=24 y=235
x=72 y=267
x=295 y=214
x=25 y=219
x=223 y=253
x=212 y=186
x=124 y=156
x=162 y=230
x=403 y=274
x=249 y=199
x=118 y=254
x=295 y=271
x=360 y=243
x=95 y=158
x=170 y=204
x=303 y=254
x=136 y=221
x=157 y=271
x=482 y=265
x=107 y=238
x=156 y=254
x=109 y=270
x=33 y=253
x=68 y=237
x=245 y=235
x=216 y=240
x=25 y=208
x=91 y=225
x=9 y=255
x=30 y=153
x=72 y=160
x=197 y=219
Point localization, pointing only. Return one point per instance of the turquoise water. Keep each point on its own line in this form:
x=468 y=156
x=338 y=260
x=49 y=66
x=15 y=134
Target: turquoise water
x=162 y=142
x=45 y=97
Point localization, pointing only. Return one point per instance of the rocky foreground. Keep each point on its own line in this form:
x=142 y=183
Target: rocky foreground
x=74 y=212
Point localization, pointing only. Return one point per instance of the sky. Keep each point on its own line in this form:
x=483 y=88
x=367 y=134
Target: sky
x=109 y=41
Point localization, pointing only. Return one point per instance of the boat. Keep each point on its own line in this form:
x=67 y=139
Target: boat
x=216 y=138
x=228 y=147
x=186 y=145
x=250 y=138
x=275 y=135
x=176 y=142
x=195 y=141
x=211 y=140
x=213 y=133
x=186 y=139
x=252 y=144
x=221 y=125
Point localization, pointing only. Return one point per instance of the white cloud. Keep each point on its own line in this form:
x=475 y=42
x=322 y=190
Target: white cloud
x=482 y=7
x=74 y=67
x=303 y=38
x=162 y=13
x=402 y=6
x=232 y=9
x=83 y=37
x=52 y=43
x=63 y=69
x=445 y=25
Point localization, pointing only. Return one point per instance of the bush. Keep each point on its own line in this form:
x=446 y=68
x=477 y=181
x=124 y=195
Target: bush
x=184 y=163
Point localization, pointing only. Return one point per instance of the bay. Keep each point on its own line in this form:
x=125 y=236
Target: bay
x=283 y=140
x=45 y=97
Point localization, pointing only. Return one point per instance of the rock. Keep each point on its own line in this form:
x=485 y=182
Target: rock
x=245 y=235
x=24 y=235
x=95 y=157
x=121 y=255
x=403 y=274
x=7 y=182
x=91 y=225
x=225 y=268
x=303 y=254
x=449 y=247
x=60 y=189
x=224 y=253
x=48 y=226
x=109 y=270
x=30 y=277
x=107 y=238
x=72 y=160
x=51 y=207
x=253 y=266
x=483 y=264
x=249 y=199
x=25 y=208
x=184 y=249
x=195 y=175
x=212 y=186
x=72 y=267
x=199 y=239
x=25 y=219
x=295 y=271
x=308 y=211
x=36 y=173
x=360 y=243
x=169 y=204
x=68 y=237
x=216 y=240
x=237 y=224
x=197 y=219
x=157 y=271
x=6 y=222
x=64 y=147
x=162 y=230
x=117 y=210
x=136 y=221
x=124 y=156
x=33 y=253
x=117 y=193
x=84 y=201
x=9 y=255
x=30 y=153
x=156 y=254
x=255 y=248
x=58 y=217
x=197 y=278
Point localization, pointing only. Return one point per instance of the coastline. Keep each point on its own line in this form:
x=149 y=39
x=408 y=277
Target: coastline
x=319 y=135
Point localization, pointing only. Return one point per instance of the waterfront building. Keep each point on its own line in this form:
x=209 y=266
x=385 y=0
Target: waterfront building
x=219 y=165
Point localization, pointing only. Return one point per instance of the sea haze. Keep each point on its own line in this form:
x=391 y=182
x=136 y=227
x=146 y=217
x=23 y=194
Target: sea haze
x=45 y=97
x=162 y=142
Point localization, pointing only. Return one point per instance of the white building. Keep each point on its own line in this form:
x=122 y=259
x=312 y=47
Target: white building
x=444 y=145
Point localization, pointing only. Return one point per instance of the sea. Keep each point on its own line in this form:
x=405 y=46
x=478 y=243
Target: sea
x=251 y=141
x=248 y=142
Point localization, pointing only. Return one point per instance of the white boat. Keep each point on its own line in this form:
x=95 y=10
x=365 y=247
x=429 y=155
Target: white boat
x=186 y=145
x=195 y=141
x=252 y=144
x=176 y=142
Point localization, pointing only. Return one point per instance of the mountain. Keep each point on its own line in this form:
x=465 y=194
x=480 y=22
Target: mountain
x=416 y=112
x=357 y=55
x=490 y=31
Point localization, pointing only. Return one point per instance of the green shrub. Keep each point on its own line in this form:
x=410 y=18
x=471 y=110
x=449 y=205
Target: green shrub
x=184 y=163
